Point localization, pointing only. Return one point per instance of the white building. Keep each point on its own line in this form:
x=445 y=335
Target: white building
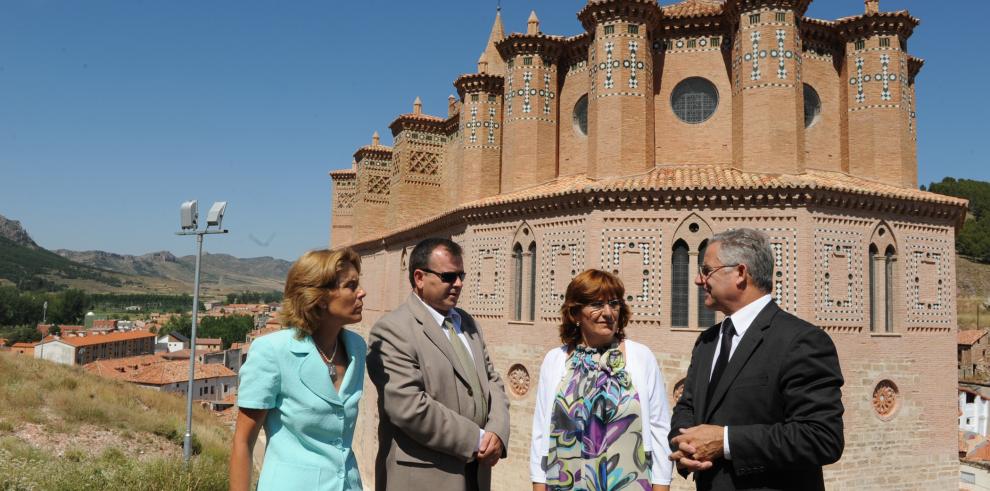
x=974 y=408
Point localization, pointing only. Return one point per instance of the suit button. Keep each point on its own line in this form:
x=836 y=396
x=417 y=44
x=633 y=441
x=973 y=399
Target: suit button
x=340 y=474
x=470 y=393
x=338 y=442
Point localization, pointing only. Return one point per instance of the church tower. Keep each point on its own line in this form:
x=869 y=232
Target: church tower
x=879 y=83
x=416 y=168
x=373 y=189
x=768 y=92
x=621 y=96
x=529 y=156
x=481 y=122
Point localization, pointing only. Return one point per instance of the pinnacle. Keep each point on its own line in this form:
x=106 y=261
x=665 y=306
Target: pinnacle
x=533 y=24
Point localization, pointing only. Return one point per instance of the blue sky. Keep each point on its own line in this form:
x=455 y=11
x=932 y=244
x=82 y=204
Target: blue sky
x=113 y=112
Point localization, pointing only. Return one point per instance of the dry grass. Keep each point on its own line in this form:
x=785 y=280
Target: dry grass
x=972 y=291
x=132 y=426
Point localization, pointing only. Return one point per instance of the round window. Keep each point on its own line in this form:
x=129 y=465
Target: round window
x=581 y=115
x=694 y=100
x=812 y=106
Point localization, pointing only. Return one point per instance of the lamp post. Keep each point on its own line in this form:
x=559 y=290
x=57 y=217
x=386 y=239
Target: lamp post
x=189 y=217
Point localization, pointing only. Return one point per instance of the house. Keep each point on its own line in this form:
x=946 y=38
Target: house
x=171 y=342
x=972 y=347
x=209 y=344
x=231 y=358
x=79 y=350
x=974 y=408
x=212 y=382
x=105 y=325
x=63 y=330
x=23 y=348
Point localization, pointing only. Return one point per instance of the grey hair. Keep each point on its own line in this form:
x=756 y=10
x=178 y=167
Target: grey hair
x=750 y=247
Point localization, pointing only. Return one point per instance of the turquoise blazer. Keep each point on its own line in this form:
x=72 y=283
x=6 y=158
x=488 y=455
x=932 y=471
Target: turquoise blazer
x=310 y=426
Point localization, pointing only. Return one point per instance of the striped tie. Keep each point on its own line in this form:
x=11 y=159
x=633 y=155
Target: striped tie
x=474 y=383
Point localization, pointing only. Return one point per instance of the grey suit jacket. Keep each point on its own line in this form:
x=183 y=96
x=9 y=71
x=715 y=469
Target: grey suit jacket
x=425 y=437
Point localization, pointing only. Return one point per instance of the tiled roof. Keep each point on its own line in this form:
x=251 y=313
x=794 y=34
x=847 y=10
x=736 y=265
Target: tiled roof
x=94 y=339
x=699 y=178
x=23 y=345
x=980 y=453
x=704 y=177
x=122 y=368
x=208 y=341
x=182 y=354
x=970 y=336
x=693 y=8
x=170 y=372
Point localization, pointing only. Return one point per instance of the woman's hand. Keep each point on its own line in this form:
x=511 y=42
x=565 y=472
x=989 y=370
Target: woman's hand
x=249 y=424
x=539 y=486
x=661 y=487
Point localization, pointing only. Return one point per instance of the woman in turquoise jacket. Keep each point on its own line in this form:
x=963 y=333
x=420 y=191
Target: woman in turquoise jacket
x=303 y=384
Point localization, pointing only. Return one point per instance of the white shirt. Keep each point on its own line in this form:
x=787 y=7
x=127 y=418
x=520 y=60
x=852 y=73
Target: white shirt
x=646 y=379
x=455 y=319
x=741 y=320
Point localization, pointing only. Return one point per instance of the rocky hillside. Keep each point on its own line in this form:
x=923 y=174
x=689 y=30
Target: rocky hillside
x=14 y=232
x=219 y=271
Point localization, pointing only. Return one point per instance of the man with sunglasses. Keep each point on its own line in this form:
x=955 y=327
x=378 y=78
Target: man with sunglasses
x=761 y=406
x=443 y=412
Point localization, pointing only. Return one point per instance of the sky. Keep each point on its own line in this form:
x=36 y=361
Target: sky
x=113 y=112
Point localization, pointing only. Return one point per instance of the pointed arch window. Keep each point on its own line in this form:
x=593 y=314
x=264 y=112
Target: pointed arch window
x=679 y=266
x=517 y=266
x=871 y=260
x=706 y=316
x=888 y=273
x=532 y=281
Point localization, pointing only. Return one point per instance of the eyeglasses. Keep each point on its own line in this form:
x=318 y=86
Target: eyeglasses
x=615 y=304
x=705 y=271
x=447 y=277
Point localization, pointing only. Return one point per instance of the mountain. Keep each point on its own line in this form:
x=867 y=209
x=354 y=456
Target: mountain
x=219 y=271
x=28 y=266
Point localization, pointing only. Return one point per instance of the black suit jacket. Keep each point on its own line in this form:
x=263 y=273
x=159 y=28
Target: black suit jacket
x=780 y=397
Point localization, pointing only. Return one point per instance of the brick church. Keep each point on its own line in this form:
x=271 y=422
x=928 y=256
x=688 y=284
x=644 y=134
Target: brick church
x=627 y=146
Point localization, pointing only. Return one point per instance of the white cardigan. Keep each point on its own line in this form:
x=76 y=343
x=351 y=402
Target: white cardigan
x=645 y=373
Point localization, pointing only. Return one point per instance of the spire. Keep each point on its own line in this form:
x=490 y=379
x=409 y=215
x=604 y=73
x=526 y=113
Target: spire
x=872 y=6
x=451 y=105
x=417 y=106
x=492 y=58
x=533 y=24
x=375 y=139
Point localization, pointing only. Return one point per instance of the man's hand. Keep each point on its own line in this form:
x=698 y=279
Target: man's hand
x=490 y=450
x=698 y=444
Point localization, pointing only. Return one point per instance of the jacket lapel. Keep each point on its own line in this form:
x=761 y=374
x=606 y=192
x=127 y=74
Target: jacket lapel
x=474 y=339
x=706 y=351
x=434 y=333
x=313 y=372
x=747 y=345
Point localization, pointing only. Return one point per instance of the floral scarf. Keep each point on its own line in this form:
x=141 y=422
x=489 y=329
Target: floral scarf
x=596 y=431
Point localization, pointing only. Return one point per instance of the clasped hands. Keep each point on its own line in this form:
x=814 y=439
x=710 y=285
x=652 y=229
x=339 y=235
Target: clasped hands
x=490 y=449
x=698 y=447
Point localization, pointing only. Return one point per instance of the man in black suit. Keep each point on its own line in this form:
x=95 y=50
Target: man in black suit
x=761 y=407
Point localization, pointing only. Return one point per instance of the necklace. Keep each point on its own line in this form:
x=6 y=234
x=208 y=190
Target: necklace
x=329 y=360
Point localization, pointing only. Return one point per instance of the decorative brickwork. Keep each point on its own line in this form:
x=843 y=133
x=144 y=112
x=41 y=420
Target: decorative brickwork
x=564 y=153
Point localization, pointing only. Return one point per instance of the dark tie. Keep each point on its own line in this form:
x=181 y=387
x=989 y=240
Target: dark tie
x=728 y=331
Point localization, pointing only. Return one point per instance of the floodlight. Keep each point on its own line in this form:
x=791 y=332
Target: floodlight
x=189 y=215
x=216 y=214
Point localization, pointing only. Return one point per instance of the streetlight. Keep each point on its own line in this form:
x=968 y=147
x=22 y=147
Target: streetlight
x=189 y=218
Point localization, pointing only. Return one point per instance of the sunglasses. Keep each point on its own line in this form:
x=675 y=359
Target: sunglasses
x=447 y=277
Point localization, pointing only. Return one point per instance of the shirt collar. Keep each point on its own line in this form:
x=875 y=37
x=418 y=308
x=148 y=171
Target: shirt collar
x=744 y=317
x=455 y=318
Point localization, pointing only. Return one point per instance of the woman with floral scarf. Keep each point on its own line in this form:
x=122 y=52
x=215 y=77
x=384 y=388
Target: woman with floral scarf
x=602 y=414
